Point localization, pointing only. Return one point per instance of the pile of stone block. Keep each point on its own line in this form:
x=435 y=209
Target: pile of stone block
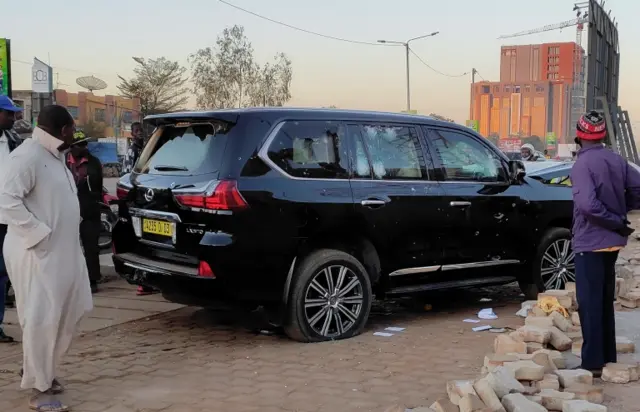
x=527 y=372
x=628 y=286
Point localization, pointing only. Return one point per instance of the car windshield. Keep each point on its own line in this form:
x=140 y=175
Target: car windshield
x=189 y=149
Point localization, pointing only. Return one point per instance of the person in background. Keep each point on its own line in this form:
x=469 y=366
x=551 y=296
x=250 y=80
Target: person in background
x=546 y=154
x=87 y=172
x=39 y=203
x=130 y=159
x=135 y=148
x=528 y=153
x=605 y=188
x=22 y=127
x=9 y=141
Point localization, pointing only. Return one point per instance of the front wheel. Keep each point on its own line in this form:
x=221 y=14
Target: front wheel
x=330 y=297
x=553 y=265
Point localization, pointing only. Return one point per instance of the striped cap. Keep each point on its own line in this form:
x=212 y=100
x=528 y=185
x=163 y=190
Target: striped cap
x=591 y=126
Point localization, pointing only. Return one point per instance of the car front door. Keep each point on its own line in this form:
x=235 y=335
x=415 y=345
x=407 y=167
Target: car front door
x=482 y=205
x=398 y=203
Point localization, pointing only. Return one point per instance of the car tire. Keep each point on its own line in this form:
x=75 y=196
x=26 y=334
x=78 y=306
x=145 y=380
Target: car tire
x=315 y=313
x=535 y=283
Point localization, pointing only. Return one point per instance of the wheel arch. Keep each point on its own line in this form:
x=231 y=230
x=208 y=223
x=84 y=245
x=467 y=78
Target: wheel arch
x=356 y=245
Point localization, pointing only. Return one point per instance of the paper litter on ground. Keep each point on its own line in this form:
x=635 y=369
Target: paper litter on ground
x=485 y=300
x=383 y=334
x=481 y=328
x=487 y=314
x=394 y=329
x=471 y=321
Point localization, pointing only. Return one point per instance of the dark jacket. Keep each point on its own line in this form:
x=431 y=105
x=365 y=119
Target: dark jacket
x=88 y=175
x=605 y=189
x=131 y=157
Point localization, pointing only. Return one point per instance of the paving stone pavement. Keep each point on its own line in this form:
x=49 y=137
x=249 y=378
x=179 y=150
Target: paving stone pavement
x=191 y=359
x=196 y=360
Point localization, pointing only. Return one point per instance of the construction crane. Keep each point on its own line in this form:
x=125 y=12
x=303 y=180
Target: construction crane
x=580 y=21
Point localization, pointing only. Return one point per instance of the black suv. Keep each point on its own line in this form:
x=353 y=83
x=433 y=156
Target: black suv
x=313 y=212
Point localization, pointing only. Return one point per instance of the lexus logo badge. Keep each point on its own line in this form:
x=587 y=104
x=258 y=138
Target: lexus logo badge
x=148 y=196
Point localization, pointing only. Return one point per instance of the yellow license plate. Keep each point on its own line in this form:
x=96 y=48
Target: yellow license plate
x=157 y=227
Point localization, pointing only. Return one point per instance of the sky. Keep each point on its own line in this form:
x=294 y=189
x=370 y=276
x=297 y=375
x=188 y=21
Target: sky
x=80 y=38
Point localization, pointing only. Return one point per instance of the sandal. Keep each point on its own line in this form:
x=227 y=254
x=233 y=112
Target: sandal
x=45 y=402
x=5 y=338
x=56 y=387
x=49 y=406
x=143 y=291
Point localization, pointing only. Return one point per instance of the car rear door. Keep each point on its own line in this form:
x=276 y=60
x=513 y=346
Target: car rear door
x=482 y=206
x=397 y=203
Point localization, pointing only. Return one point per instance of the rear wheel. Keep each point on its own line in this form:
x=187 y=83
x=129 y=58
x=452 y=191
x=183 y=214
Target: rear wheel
x=330 y=297
x=553 y=266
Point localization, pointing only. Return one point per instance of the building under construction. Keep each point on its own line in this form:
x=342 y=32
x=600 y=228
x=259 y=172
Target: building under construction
x=533 y=96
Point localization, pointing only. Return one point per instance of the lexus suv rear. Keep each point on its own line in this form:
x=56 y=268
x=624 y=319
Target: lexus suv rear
x=312 y=213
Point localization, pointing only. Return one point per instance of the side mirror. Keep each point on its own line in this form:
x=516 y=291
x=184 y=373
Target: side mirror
x=517 y=170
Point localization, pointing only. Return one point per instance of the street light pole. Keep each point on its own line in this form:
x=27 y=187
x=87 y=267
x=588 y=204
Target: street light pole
x=407 y=50
x=406 y=47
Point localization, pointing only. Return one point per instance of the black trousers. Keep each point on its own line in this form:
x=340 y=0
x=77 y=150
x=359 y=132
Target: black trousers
x=90 y=237
x=596 y=285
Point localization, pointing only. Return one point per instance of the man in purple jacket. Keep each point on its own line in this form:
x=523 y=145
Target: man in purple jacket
x=605 y=188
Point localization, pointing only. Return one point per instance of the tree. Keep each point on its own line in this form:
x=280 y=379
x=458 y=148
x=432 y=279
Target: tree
x=93 y=129
x=535 y=141
x=227 y=75
x=159 y=84
x=493 y=138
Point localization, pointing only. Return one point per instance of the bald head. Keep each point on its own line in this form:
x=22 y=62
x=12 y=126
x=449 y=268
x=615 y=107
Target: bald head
x=57 y=121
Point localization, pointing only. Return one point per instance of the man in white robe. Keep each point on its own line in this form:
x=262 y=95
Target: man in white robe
x=44 y=259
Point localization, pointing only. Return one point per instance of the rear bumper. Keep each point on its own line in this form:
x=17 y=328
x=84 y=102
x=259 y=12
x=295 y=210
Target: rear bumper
x=181 y=284
x=130 y=263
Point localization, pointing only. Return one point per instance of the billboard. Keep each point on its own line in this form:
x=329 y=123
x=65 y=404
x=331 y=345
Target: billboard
x=5 y=67
x=41 y=77
x=603 y=62
x=509 y=145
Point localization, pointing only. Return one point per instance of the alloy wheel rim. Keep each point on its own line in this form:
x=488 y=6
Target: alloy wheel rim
x=558 y=265
x=333 y=301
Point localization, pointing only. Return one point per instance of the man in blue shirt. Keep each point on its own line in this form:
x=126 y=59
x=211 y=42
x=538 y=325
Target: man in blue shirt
x=9 y=140
x=605 y=189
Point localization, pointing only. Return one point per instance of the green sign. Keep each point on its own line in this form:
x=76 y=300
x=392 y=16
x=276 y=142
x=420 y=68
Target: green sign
x=473 y=124
x=5 y=67
x=551 y=140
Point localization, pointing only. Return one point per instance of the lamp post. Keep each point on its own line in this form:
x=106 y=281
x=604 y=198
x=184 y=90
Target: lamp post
x=406 y=48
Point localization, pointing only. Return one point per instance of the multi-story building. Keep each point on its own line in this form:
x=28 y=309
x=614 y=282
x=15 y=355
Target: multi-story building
x=112 y=114
x=533 y=96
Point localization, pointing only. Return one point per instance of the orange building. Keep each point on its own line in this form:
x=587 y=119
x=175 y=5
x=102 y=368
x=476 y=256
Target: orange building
x=112 y=114
x=533 y=96
x=539 y=62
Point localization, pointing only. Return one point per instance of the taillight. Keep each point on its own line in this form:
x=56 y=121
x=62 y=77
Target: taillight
x=121 y=192
x=204 y=270
x=224 y=197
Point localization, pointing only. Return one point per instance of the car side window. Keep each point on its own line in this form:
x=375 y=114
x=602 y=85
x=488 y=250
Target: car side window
x=361 y=168
x=310 y=149
x=395 y=152
x=465 y=159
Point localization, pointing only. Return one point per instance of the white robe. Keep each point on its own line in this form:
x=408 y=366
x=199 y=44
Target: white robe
x=42 y=251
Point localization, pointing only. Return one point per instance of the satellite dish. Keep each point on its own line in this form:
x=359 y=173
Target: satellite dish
x=91 y=83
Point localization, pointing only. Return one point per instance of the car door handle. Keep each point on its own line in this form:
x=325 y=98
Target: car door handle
x=373 y=203
x=459 y=204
